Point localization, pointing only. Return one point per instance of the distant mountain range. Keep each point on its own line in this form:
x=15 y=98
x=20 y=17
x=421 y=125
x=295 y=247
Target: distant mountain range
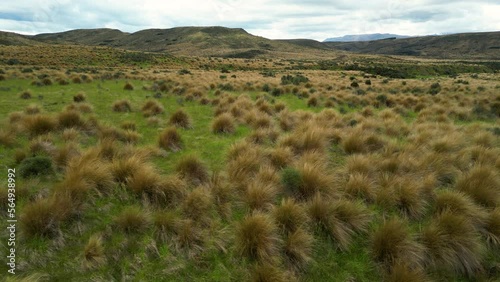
x=237 y=43
x=364 y=37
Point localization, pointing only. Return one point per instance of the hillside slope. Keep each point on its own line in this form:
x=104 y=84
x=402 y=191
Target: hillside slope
x=485 y=45
x=237 y=43
x=206 y=41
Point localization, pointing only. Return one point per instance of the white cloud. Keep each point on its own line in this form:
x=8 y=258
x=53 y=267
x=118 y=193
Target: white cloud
x=317 y=19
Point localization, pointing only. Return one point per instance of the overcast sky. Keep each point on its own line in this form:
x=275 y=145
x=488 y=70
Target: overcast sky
x=316 y=19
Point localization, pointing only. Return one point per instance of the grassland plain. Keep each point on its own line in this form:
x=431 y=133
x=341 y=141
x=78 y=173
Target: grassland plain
x=203 y=169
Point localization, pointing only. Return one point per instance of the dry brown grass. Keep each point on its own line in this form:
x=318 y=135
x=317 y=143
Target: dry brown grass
x=257 y=238
x=170 y=139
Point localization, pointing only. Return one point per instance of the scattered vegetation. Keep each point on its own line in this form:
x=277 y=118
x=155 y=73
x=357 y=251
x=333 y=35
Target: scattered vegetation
x=281 y=170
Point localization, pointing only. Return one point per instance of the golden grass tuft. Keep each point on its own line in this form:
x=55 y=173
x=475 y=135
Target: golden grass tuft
x=298 y=248
x=393 y=243
x=259 y=195
x=290 y=216
x=257 y=238
x=39 y=124
x=340 y=220
x=132 y=220
x=492 y=228
x=180 y=119
x=123 y=169
x=223 y=124
x=80 y=97
x=93 y=253
x=198 y=205
x=128 y=86
x=360 y=186
x=481 y=183
x=144 y=182
x=453 y=244
x=40 y=218
x=122 y=106
x=192 y=169
x=152 y=108
x=70 y=119
x=170 y=139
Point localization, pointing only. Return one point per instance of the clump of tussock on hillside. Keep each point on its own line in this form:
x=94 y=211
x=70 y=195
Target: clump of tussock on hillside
x=70 y=134
x=306 y=140
x=392 y=243
x=461 y=204
x=180 y=119
x=492 y=228
x=122 y=106
x=152 y=108
x=305 y=180
x=129 y=125
x=170 y=139
x=192 y=169
x=244 y=162
x=259 y=195
x=409 y=198
x=32 y=109
x=123 y=168
x=93 y=253
x=7 y=137
x=144 y=182
x=41 y=218
x=128 y=86
x=15 y=117
x=261 y=122
x=453 y=244
x=189 y=237
x=131 y=137
x=170 y=191
x=27 y=94
x=39 y=124
x=198 y=205
x=481 y=183
x=70 y=119
x=223 y=124
x=280 y=157
x=165 y=223
x=359 y=141
x=65 y=153
x=257 y=238
x=298 y=248
x=358 y=163
x=340 y=220
x=360 y=186
x=222 y=193
x=132 y=220
x=290 y=215
x=85 y=174
x=80 y=97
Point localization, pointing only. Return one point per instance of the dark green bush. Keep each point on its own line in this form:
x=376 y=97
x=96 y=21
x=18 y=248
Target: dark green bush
x=183 y=71
x=35 y=166
x=295 y=80
x=435 y=88
x=291 y=180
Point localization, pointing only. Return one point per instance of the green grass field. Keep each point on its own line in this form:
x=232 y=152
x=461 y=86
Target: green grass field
x=328 y=184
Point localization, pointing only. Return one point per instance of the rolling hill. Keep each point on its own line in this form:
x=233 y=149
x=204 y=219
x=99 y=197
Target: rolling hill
x=205 y=41
x=364 y=37
x=237 y=43
x=484 y=45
